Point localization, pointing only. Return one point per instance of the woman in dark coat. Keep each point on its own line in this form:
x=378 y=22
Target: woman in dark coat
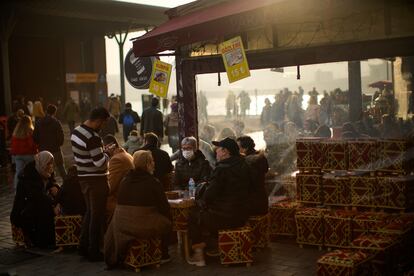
x=258 y=200
x=33 y=203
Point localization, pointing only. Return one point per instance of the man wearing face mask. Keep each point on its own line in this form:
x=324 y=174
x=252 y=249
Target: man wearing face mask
x=224 y=202
x=92 y=164
x=191 y=164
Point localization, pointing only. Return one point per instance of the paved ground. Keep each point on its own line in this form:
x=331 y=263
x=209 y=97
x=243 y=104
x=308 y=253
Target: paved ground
x=282 y=258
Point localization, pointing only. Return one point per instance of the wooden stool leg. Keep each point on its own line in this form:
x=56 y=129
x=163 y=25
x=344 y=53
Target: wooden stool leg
x=186 y=245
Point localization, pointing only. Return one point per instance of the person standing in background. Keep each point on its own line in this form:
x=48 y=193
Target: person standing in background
x=171 y=128
x=48 y=134
x=71 y=113
x=152 y=120
x=38 y=112
x=129 y=120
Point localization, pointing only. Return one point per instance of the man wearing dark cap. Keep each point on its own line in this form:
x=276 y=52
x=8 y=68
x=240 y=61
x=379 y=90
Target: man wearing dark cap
x=223 y=204
x=152 y=120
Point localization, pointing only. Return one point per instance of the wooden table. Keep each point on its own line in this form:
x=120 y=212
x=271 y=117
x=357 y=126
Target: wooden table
x=180 y=211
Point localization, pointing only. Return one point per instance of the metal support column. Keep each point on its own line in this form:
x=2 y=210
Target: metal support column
x=120 y=39
x=7 y=24
x=355 y=90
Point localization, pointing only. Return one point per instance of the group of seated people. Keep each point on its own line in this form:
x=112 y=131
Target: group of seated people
x=137 y=207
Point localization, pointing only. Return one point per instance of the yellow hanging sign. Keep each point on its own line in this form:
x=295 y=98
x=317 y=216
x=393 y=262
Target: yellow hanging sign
x=234 y=59
x=160 y=78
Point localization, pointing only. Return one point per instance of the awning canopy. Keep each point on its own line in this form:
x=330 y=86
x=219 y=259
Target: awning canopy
x=208 y=24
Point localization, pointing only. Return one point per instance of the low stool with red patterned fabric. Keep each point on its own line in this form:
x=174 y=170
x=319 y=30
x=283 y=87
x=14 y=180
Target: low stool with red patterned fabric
x=235 y=246
x=67 y=230
x=336 y=155
x=310 y=155
x=367 y=222
x=336 y=190
x=18 y=236
x=343 y=263
x=282 y=219
x=393 y=153
x=309 y=189
x=338 y=228
x=363 y=155
x=363 y=191
x=383 y=247
x=399 y=191
x=310 y=226
x=143 y=252
x=260 y=226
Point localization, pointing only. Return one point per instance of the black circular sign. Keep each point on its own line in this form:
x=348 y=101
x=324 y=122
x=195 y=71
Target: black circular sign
x=138 y=70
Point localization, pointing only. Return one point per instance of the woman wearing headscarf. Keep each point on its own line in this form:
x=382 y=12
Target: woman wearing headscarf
x=142 y=211
x=33 y=203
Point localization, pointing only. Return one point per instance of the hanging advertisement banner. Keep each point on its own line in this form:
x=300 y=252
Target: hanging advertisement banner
x=160 y=78
x=234 y=59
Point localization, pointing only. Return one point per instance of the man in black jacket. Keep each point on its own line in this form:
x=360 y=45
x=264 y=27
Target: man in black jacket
x=163 y=165
x=152 y=120
x=48 y=135
x=223 y=204
x=129 y=120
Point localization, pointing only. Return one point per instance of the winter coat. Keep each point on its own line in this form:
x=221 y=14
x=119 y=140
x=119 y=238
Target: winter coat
x=163 y=165
x=152 y=122
x=119 y=165
x=70 y=197
x=23 y=146
x=258 y=200
x=33 y=207
x=111 y=127
x=198 y=169
x=227 y=192
x=71 y=111
x=134 y=115
x=171 y=130
x=48 y=134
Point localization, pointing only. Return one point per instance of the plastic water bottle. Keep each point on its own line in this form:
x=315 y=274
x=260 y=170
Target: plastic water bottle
x=191 y=187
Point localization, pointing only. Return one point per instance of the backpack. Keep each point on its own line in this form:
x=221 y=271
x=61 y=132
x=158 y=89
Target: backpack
x=128 y=120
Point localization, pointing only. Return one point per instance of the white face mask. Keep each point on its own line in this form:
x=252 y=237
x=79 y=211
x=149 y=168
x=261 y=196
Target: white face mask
x=188 y=154
x=133 y=138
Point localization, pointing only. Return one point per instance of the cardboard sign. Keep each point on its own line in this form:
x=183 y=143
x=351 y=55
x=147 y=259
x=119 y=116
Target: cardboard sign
x=234 y=59
x=160 y=78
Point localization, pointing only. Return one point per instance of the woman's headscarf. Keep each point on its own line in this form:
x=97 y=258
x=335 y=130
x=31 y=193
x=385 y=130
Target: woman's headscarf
x=42 y=159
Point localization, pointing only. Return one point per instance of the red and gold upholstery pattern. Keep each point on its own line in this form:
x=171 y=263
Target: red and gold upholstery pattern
x=363 y=155
x=363 y=190
x=260 y=226
x=309 y=154
x=143 y=253
x=336 y=153
x=367 y=222
x=235 y=246
x=398 y=224
x=336 y=190
x=67 y=230
x=282 y=218
x=309 y=188
x=309 y=223
x=180 y=212
x=373 y=242
x=338 y=228
x=342 y=263
x=17 y=235
x=398 y=192
x=393 y=156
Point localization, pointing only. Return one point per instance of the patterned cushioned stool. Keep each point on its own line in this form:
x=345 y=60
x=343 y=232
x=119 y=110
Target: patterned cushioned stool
x=367 y=222
x=342 y=263
x=338 y=228
x=336 y=153
x=282 y=219
x=143 y=253
x=260 y=230
x=67 y=230
x=336 y=190
x=383 y=248
x=363 y=191
x=399 y=191
x=235 y=246
x=363 y=155
x=309 y=190
x=309 y=154
x=309 y=223
x=393 y=155
x=17 y=235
